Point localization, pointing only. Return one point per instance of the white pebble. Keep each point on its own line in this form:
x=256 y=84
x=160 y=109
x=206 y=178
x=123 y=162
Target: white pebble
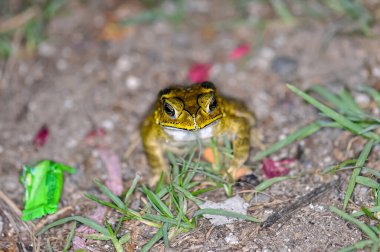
x=231 y=239
x=132 y=82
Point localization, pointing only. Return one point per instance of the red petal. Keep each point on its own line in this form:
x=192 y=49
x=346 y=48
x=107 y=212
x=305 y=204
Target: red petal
x=240 y=51
x=40 y=137
x=93 y=135
x=272 y=169
x=199 y=72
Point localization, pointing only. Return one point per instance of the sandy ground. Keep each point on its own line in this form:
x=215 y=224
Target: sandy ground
x=78 y=81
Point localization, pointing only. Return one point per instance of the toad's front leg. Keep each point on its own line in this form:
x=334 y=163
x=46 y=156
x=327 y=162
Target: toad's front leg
x=153 y=144
x=239 y=128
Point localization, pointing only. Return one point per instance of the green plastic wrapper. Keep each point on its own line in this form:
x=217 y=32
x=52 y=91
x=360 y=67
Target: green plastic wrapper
x=43 y=186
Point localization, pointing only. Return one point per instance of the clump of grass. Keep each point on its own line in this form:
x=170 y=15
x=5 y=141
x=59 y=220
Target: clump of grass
x=157 y=13
x=26 y=20
x=167 y=207
x=344 y=113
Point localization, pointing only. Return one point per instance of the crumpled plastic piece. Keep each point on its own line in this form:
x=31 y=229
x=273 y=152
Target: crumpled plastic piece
x=43 y=186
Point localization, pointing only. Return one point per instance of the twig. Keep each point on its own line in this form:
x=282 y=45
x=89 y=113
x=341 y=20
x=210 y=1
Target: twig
x=292 y=207
x=51 y=218
x=19 y=20
x=10 y=203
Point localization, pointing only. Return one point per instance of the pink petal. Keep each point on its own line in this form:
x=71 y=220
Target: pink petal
x=114 y=179
x=199 y=72
x=98 y=216
x=272 y=168
x=93 y=135
x=40 y=137
x=240 y=51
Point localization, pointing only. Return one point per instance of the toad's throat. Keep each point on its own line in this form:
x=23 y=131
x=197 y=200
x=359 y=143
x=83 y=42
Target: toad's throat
x=177 y=134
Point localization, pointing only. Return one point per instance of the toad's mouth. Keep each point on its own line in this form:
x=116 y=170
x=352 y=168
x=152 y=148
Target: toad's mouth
x=179 y=134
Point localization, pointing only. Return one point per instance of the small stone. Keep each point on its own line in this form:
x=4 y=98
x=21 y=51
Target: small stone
x=46 y=50
x=132 y=82
x=61 y=65
x=123 y=64
x=231 y=239
x=108 y=124
x=362 y=99
x=284 y=65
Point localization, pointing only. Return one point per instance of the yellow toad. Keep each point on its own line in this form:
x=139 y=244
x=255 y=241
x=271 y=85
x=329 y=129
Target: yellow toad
x=186 y=114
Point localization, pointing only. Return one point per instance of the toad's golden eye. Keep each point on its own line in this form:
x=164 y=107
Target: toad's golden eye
x=169 y=110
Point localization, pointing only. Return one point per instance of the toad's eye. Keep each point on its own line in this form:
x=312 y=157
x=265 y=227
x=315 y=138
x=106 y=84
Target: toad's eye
x=169 y=110
x=212 y=105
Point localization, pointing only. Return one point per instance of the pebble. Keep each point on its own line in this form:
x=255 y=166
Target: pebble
x=284 y=65
x=108 y=124
x=362 y=99
x=231 y=239
x=46 y=50
x=61 y=65
x=132 y=82
x=123 y=64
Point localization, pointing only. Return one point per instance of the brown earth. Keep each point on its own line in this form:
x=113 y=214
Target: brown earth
x=78 y=81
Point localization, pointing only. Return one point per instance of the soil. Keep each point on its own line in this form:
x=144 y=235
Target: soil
x=80 y=79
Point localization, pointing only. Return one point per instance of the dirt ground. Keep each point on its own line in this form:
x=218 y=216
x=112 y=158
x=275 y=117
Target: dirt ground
x=79 y=80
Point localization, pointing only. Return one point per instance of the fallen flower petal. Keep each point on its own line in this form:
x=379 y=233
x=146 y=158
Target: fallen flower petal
x=240 y=51
x=273 y=169
x=199 y=72
x=114 y=179
x=93 y=135
x=40 y=137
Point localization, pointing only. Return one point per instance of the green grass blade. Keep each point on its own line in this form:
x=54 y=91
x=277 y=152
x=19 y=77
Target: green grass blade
x=333 y=114
x=367 y=182
x=371 y=171
x=207 y=189
x=349 y=102
x=165 y=235
x=125 y=238
x=332 y=169
x=174 y=171
x=157 y=202
x=88 y=222
x=361 y=213
x=160 y=218
x=329 y=97
x=363 y=227
x=157 y=236
x=357 y=246
x=160 y=183
x=269 y=182
x=190 y=175
x=298 y=135
x=282 y=11
x=115 y=199
x=115 y=241
x=131 y=189
x=359 y=164
x=97 y=236
x=101 y=202
x=70 y=237
x=225 y=213
x=188 y=195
